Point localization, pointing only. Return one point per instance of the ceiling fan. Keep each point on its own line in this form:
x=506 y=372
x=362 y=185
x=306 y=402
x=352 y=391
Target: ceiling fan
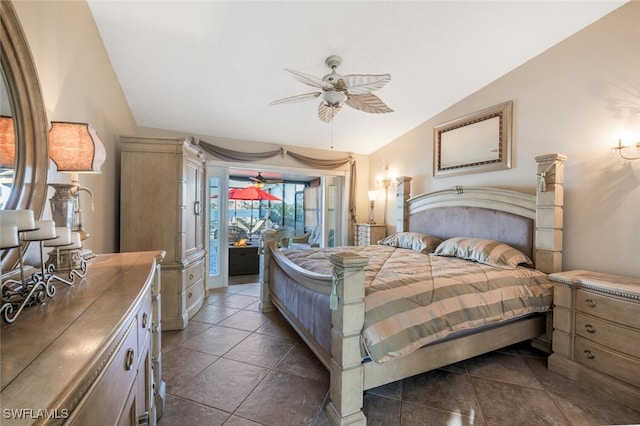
x=337 y=90
x=261 y=181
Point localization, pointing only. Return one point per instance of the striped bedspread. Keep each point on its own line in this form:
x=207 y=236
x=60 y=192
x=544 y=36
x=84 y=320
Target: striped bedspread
x=412 y=299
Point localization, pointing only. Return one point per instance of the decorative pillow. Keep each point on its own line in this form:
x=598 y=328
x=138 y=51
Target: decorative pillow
x=412 y=240
x=489 y=252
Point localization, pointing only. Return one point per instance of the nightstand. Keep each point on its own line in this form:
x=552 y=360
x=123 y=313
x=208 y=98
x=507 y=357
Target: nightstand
x=596 y=333
x=368 y=234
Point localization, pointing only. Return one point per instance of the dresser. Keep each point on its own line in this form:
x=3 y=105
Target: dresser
x=91 y=354
x=369 y=234
x=596 y=333
x=161 y=208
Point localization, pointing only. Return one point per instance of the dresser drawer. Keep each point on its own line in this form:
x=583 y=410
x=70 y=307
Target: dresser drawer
x=608 y=307
x=144 y=321
x=614 y=364
x=621 y=339
x=194 y=296
x=105 y=401
x=194 y=273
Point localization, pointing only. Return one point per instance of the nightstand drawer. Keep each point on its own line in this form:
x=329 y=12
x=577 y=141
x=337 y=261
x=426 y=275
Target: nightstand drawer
x=610 y=308
x=607 y=334
x=614 y=364
x=363 y=231
x=369 y=234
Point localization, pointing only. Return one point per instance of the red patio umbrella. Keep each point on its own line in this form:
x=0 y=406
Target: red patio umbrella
x=251 y=193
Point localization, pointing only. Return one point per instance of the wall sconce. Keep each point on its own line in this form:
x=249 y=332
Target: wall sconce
x=372 y=202
x=74 y=148
x=623 y=150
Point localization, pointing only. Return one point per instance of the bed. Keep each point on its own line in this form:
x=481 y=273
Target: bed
x=333 y=298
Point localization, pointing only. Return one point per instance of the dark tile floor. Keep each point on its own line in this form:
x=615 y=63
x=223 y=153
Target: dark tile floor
x=235 y=366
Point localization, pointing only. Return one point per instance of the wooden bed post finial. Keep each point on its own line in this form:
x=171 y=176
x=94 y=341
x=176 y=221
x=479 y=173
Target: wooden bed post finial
x=549 y=210
x=347 y=374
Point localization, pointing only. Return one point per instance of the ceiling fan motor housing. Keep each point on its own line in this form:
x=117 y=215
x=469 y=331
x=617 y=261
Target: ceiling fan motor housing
x=334 y=98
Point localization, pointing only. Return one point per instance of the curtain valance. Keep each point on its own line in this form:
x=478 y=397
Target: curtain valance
x=318 y=163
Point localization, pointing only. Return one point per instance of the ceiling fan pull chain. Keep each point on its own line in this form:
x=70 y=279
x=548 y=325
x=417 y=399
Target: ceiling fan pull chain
x=331 y=122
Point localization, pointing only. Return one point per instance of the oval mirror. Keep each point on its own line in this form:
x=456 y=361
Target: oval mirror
x=29 y=182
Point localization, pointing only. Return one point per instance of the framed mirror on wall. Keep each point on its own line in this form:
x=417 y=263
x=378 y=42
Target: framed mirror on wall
x=478 y=142
x=25 y=113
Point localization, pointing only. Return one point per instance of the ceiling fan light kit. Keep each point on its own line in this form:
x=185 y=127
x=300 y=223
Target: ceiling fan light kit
x=337 y=90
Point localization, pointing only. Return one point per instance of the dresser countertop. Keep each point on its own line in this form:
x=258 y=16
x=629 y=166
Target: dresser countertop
x=55 y=348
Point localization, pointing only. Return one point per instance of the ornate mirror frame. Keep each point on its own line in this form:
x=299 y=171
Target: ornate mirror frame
x=30 y=121
x=478 y=142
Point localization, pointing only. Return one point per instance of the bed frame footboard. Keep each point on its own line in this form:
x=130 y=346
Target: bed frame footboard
x=347 y=320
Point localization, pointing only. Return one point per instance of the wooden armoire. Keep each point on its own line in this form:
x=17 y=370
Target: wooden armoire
x=162 y=187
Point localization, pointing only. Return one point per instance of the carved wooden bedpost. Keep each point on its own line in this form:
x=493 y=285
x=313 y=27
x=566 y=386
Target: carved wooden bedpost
x=347 y=379
x=549 y=207
x=403 y=192
x=265 y=254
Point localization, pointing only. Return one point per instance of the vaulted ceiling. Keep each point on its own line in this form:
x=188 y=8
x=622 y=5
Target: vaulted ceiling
x=213 y=67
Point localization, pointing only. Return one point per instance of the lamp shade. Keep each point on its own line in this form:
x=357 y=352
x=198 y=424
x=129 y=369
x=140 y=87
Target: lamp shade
x=7 y=142
x=75 y=147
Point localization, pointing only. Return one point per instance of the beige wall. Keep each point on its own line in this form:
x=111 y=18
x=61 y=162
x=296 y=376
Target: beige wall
x=573 y=99
x=79 y=84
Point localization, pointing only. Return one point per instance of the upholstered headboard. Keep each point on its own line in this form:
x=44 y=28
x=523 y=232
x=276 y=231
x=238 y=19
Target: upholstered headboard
x=531 y=223
x=476 y=222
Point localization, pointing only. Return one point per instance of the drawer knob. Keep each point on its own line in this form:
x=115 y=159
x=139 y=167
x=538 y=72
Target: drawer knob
x=128 y=359
x=590 y=328
x=590 y=303
x=588 y=354
x=190 y=295
x=190 y=276
x=145 y=319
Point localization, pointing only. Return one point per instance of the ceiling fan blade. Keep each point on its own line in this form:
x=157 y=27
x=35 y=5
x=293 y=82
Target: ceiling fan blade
x=326 y=113
x=368 y=102
x=364 y=83
x=297 y=98
x=307 y=79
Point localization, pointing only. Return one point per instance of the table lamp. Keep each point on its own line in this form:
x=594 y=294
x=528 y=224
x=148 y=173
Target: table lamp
x=74 y=148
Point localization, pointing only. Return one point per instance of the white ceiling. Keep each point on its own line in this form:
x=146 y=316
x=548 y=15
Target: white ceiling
x=213 y=67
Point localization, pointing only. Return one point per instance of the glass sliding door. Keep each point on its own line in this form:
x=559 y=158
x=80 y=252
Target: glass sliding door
x=333 y=210
x=217 y=194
